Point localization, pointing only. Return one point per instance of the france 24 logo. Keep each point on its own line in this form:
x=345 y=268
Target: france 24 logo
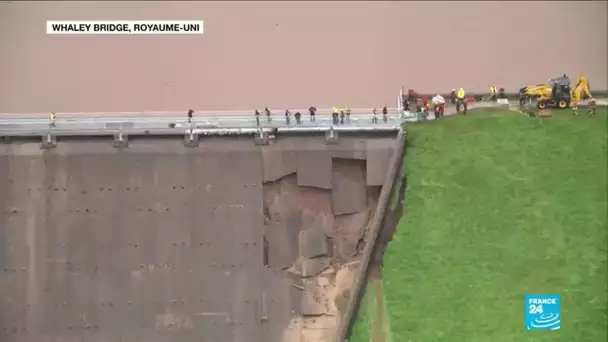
x=543 y=312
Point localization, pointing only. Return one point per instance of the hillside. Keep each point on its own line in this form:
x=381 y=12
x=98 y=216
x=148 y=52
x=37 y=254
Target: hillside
x=498 y=206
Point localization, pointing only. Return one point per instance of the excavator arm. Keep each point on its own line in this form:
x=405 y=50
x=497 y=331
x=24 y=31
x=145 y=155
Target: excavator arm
x=580 y=92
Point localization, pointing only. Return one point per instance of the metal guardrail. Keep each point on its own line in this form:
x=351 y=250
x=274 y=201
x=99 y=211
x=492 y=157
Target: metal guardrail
x=171 y=125
x=181 y=113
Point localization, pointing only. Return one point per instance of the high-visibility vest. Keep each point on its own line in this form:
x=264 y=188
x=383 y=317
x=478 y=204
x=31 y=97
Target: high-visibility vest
x=461 y=93
x=334 y=110
x=493 y=90
x=52 y=116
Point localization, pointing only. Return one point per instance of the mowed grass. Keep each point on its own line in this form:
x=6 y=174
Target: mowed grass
x=498 y=206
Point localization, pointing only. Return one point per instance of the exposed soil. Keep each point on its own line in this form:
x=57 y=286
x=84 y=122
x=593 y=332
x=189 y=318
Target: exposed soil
x=305 y=239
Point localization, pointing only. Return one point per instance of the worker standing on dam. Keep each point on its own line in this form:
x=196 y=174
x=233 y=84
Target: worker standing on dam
x=384 y=114
x=419 y=105
x=460 y=101
x=493 y=93
x=334 y=115
x=267 y=111
x=375 y=117
x=52 y=119
x=257 y=117
x=287 y=117
x=342 y=115
x=312 y=111
x=298 y=118
x=406 y=105
x=411 y=95
x=501 y=93
x=348 y=114
x=190 y=113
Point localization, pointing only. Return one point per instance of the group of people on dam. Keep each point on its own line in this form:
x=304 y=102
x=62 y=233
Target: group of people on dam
x=340 y=116
x=412 y=102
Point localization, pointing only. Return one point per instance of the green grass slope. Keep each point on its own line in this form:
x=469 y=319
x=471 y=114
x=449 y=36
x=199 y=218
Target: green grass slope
x=498 y=206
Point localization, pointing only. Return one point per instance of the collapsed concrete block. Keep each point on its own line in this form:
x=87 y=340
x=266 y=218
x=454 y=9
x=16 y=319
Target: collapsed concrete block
x=312 y=243
x=312 y=267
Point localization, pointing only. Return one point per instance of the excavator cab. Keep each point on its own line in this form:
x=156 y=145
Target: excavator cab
x=560 y=94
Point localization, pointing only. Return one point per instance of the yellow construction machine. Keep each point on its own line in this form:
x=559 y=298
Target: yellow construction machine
x=556 y=94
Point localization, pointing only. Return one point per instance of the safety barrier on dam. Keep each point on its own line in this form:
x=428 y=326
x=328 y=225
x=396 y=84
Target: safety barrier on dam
x=136 y=231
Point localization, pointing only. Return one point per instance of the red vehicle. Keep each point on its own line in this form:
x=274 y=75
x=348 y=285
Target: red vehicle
x=470 y=99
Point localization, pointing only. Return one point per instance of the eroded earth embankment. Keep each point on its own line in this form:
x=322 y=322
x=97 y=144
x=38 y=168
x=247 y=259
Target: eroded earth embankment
x=227 y=241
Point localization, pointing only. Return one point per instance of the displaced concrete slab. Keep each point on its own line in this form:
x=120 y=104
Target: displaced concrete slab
x=312 y=267
x=348 y=186
x=348 y=231
x=278 y=163
x=282 y=238
x=379 y=153
x=313 y=243
x=314 y=169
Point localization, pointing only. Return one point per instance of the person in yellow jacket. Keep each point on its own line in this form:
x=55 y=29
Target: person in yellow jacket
x=461 y=94
x=493 y=93
x=52 y=119
x=335 y=113
x=460 y=101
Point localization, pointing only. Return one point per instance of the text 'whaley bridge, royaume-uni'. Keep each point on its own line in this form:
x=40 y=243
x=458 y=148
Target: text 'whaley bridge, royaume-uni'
x=125 y=27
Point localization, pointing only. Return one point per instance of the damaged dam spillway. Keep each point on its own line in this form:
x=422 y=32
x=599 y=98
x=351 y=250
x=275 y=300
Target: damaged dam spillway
x=226 y=242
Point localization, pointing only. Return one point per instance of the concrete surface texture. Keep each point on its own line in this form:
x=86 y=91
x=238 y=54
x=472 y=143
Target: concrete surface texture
x=292 y=54
x=159 y=242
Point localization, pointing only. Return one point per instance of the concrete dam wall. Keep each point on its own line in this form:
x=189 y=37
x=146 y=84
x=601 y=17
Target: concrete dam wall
x=292 y=54
x=228 y=242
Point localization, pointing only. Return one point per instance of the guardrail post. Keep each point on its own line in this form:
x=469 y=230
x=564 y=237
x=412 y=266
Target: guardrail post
x=48 y=141
x=191 y=139
x=120 y=140
x=331 y=136
x=261 y=137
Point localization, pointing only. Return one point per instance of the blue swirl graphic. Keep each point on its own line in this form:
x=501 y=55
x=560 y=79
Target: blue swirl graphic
x=548 y=321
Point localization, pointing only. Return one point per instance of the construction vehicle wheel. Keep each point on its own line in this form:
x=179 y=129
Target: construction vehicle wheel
x=563 y=104
x=541 y=105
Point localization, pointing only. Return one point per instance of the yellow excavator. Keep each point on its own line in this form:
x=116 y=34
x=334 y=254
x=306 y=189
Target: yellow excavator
x=556 y=94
